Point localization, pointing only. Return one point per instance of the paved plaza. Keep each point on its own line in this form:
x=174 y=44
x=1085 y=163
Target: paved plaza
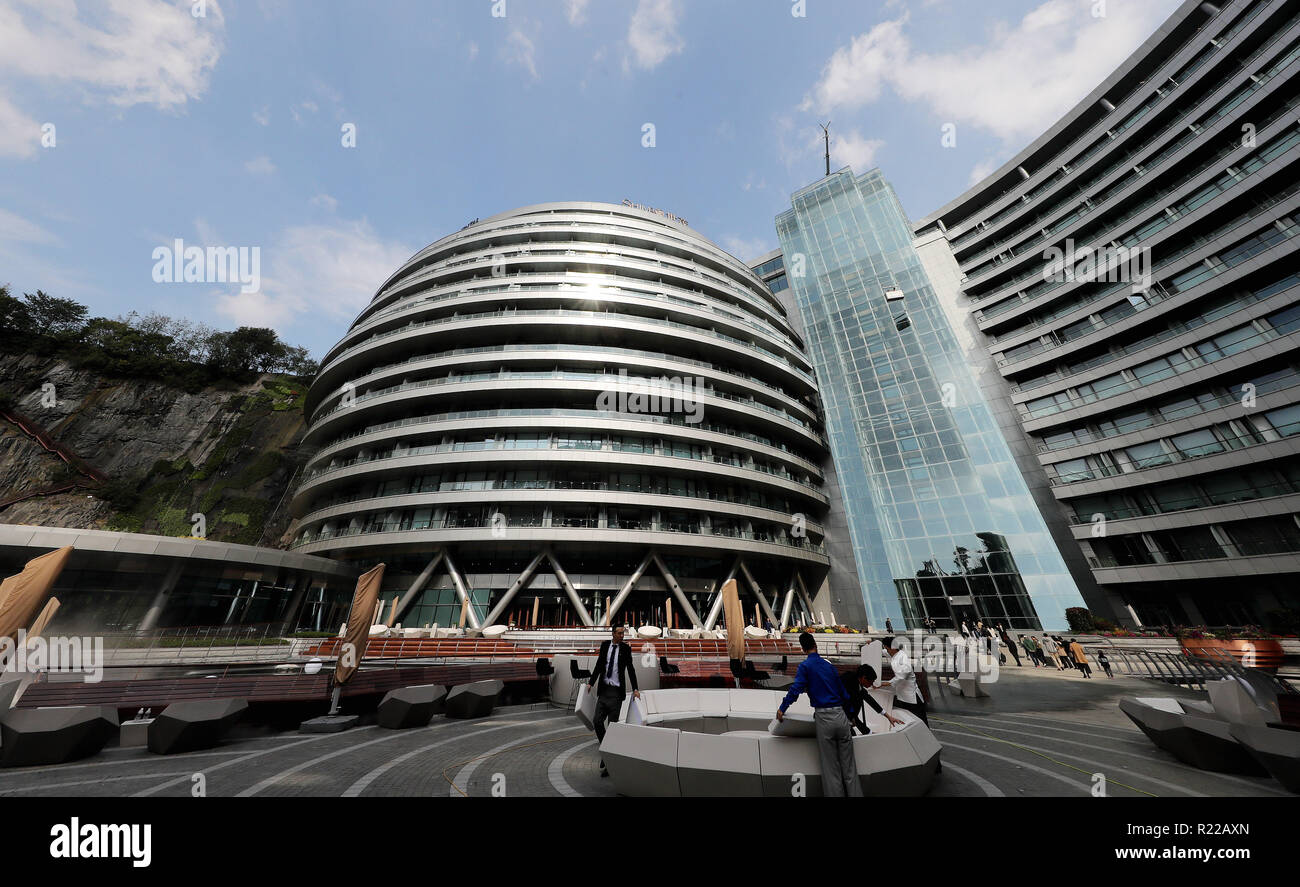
x=1042 y=733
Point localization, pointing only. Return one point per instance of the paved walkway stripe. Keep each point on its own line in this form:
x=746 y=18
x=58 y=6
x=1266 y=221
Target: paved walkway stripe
x=1041 y=752
x=990 y=790
x=365 y=781
x=1126 y=732
x=1040 y=770
x=1099 y=766
x=555 y=772
x=135 y=759
x=231 y=763
x=297 y=768
x=467 y=772
x=49 y=785
x=1153 y=755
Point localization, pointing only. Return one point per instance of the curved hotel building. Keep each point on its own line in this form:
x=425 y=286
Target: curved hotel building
x=1130 y=284
x=568 y=413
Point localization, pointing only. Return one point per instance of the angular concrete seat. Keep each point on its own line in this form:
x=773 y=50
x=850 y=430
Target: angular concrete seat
x=758 y=702
x=408 y=707
x=715 y=704
x=8 y=690
x=669 y=701
x=1193 y=737
x=892 y=764
x=781 y=759
x=1276 y=749
x=794 y=724
x=32 y=736
x=969 y=685
x=723 y=766
x=642 y=761
x=1237 y=702
x=190 y=726
x=729 y=754
x=476 y=700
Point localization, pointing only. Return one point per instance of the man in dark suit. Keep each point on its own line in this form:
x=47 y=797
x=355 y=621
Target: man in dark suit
x=611 y=676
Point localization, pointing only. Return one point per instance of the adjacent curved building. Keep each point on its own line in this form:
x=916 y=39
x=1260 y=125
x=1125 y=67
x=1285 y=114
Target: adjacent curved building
x=566 y=411
x=1129 y=282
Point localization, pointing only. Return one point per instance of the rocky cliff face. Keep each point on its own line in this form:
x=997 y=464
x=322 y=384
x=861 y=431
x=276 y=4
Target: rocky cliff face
x=227 y=452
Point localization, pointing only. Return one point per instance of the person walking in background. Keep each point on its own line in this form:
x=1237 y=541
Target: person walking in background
x=1080 y=658
x=1063 y=650
x=889 y=625
x=821 y=681
x=1104 y=662
x=1031 y=649
x=1010 y=644
x=965 y=629
x=1051 y=652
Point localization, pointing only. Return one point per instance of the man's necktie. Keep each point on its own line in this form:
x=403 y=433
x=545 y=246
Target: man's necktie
x=609 y=671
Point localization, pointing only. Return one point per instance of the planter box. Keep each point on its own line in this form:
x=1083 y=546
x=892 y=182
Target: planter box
x=1264 y=653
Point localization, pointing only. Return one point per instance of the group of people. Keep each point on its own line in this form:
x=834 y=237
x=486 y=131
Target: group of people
x=1050 y=650
x=1045 y=651
x=838 y=710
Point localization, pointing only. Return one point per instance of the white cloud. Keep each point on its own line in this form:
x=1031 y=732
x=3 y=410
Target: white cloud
x=324 y=201
x=802 y=147
x=20 y=135
x=520 y=50
x=131 y=52
x=854 y=150
x=982 y=170
x=311 y=271
x=747 y=249
x=576 y=10
x=652 y=34
x=260 y=166
x=263 y=115
x=296 y=111
x=471 y=49
x=16 y=229
x=1015 y=85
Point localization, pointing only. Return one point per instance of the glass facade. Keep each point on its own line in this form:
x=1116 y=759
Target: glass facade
x=942 y=523
x=115 y=582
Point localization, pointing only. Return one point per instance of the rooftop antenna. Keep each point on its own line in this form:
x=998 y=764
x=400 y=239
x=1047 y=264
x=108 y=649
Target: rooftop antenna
x=826 y=133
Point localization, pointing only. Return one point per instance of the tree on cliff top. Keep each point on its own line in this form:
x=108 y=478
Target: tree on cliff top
x=41 y=313
x=152 y=345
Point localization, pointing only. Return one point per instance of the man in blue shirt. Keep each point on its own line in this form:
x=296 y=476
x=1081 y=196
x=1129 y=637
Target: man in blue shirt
x=821 y=681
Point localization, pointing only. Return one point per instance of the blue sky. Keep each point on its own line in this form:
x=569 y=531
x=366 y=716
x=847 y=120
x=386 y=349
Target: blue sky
x=225 y=129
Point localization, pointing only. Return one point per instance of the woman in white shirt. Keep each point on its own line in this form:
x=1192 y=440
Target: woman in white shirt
x=907 y=693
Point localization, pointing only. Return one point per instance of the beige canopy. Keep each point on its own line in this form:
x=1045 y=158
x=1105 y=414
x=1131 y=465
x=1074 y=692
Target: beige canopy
x=360 y=619
x=21 y=595
x=735 y=615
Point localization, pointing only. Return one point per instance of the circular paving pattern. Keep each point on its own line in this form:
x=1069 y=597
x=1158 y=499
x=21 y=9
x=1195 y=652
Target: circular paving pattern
x=1036 y=737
